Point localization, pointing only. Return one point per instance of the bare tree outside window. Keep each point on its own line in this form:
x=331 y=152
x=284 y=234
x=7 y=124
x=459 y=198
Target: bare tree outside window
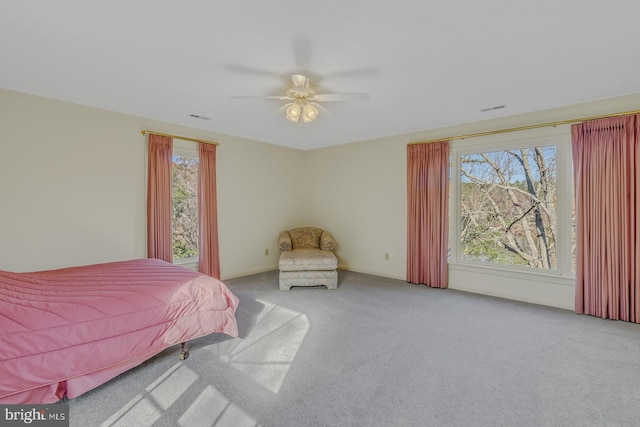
x=508 y=207
x=184 y=211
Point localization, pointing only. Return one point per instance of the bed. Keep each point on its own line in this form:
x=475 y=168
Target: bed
x=64 y=332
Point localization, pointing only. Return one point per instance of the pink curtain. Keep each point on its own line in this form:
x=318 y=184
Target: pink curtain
x=606 y=176
x=209 y=260
x=428 y=213
x=159 y=198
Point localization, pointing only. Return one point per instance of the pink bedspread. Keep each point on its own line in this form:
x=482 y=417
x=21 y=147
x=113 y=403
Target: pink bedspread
x=88 y=324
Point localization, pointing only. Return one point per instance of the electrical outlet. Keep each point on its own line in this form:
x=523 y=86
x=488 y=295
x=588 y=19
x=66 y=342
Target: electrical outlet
x=266 y=252
x=386 y=256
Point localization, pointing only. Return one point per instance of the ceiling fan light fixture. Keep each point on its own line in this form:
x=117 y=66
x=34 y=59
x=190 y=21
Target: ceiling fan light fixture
x=309 y=113
x=304 y=100
x=293 y=112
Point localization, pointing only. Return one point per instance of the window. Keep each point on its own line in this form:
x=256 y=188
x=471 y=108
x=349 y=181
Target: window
x=184 y=202
x=508 y=206
x=513 y=205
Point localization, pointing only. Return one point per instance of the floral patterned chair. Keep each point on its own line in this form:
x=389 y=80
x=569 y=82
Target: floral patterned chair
x=306 y=258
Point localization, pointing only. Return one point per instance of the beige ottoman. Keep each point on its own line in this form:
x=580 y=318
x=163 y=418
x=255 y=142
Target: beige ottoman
x=308 y=267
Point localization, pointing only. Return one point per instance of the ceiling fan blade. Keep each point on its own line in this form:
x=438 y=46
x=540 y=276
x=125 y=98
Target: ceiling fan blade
x=302 y=52
x=340 y=97
x=280 y=98
x=353 y=72
x=323 y=108
x=241 y=69
x=281 y=110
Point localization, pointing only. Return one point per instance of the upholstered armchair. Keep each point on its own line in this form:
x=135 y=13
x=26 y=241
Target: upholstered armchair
x=306 y=258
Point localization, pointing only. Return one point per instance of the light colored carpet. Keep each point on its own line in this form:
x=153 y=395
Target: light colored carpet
x=382 y=352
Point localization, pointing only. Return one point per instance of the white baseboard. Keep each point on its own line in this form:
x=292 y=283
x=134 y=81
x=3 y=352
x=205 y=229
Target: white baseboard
x=249 y=273
x=373 y=273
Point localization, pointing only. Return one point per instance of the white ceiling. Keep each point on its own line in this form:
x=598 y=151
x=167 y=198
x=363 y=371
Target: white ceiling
x=425 y=63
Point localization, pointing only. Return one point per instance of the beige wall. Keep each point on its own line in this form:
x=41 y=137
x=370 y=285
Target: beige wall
x=361 y=199
x=72 y=185
x=258 y=188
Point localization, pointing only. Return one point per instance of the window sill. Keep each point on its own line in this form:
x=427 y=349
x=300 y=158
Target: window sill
x=539 y=276
x=190 y=263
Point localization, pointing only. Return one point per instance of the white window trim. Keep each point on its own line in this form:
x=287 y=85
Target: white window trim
x=191 y=262
x=187 y=149
x=560 y=137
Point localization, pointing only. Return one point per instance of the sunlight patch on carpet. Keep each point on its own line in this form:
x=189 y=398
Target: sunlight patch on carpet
x=140 y=412
x=270 y=348
x=147 y=408
x=212 y=407
x=171 y=385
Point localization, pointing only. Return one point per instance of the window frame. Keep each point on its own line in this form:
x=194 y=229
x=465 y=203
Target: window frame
x=560 y=137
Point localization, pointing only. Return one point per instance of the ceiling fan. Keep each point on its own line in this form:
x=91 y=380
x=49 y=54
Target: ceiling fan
x=304 y=99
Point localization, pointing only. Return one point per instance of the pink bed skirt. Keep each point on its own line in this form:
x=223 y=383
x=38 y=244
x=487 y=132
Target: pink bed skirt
x=74 y=387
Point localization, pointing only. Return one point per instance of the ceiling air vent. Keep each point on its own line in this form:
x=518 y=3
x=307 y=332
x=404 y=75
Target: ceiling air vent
x=195 y=116
x=497 y=107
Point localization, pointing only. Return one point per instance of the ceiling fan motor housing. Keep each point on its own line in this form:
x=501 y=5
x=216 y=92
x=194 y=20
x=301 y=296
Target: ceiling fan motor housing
x=302 y=93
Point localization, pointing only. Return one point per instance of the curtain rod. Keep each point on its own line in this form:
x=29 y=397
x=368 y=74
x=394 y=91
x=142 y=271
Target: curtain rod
x=519 y=128
x=146 y=132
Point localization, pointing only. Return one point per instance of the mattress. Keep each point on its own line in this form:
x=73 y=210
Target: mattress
x=81 y=326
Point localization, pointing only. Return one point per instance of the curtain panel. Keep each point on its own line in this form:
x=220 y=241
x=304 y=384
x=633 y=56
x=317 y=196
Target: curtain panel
x=209 y=259
x=428 y=213
x=606 y=176
x=159 y=240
